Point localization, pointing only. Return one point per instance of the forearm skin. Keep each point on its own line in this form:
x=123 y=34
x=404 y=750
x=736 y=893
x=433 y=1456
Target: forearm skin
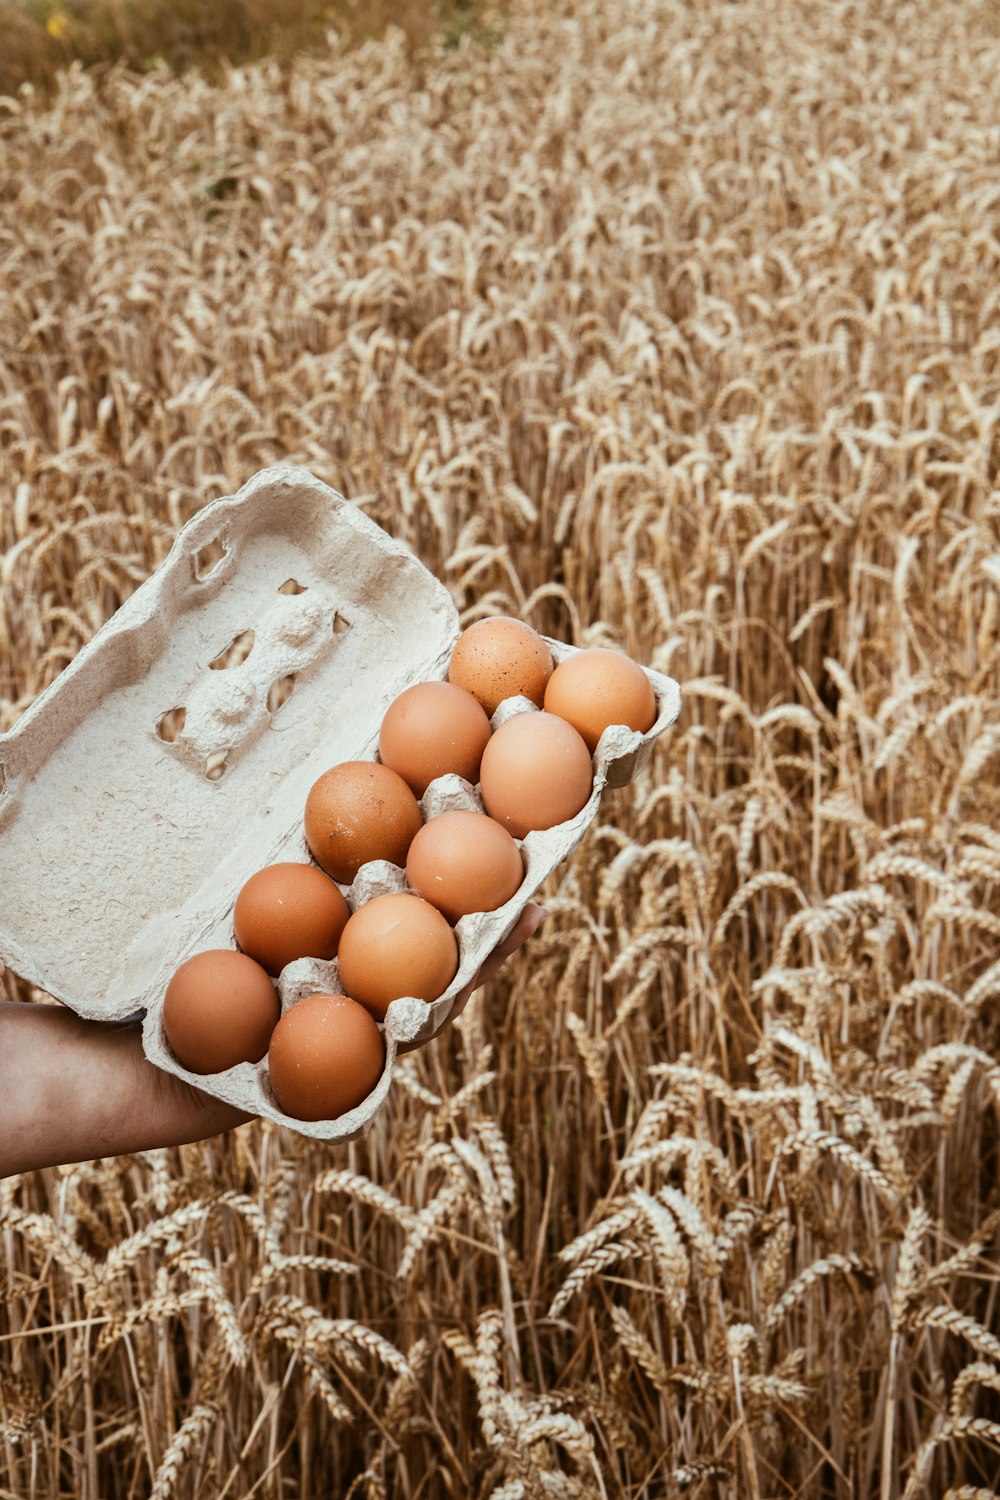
x=74 y=1090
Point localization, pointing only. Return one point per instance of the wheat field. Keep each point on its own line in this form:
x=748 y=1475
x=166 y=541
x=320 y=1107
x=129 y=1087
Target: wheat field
x=669 y=325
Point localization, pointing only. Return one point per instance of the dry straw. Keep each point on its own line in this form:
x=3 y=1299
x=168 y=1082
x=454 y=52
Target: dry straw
x=662 y=324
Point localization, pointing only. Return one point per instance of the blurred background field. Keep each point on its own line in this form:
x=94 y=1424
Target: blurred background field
x=667 y=325
x=41 y=38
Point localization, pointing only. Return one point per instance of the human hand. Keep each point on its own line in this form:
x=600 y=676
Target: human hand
x=73 y=1090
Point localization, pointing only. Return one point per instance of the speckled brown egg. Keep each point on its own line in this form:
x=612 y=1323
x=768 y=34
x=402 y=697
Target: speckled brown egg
x=219 y=1010
x=289 y=911
x=396 y=945
x=356 y=812
x=463 y=862
x=536 y=772
x=326 y=1056
x=433 y=729
x=594 y=689
x=501 y=658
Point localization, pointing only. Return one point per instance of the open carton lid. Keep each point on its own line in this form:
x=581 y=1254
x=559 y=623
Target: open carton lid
x=126 y=838
x=172 y=759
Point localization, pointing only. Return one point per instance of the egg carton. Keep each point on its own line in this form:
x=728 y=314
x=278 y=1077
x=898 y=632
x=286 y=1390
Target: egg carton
x=172 y=759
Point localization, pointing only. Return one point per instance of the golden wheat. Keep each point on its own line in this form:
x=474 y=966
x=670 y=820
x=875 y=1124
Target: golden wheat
x=671 y=326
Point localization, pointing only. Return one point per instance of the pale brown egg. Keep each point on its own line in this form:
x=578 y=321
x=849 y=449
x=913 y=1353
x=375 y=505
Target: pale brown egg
x=219 y=1010
x=431 y=729
x=593 y=689
x=289 y=911
x=536 y=772
x=501 y=658
x=356 y=812
x=462 y=862
x=326 y=1056
x=396 y=945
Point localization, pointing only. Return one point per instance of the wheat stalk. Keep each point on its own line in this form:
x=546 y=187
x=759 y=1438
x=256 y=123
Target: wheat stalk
x=192 y=1431
x=622 y=329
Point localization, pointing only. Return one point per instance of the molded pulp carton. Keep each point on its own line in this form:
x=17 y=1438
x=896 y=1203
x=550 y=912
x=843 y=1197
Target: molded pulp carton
x=146 y=785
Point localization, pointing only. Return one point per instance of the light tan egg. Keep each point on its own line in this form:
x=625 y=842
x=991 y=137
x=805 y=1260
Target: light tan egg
x=433 y=729
x=463 y=862
x=356 y=812
x=219 y=1010
x=289 y=911
x=501 y=658
x=396 y=945
x=594 y=689
x=536 y=772
x=326 y=1056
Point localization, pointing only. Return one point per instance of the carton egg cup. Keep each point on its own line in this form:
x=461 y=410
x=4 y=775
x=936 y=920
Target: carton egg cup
x=151 y=780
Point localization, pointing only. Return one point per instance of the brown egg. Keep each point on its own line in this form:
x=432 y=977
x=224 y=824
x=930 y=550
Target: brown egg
x=501 y=658
x=593 y=689
x=360 y=811
x=431 y=729
x=326 y=1056
x=289 y=911
x=536 y=772
x=393 y=946
x=220 y=1009
x=462 y=862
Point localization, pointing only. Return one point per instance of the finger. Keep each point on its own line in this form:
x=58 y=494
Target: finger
x=529 y=922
